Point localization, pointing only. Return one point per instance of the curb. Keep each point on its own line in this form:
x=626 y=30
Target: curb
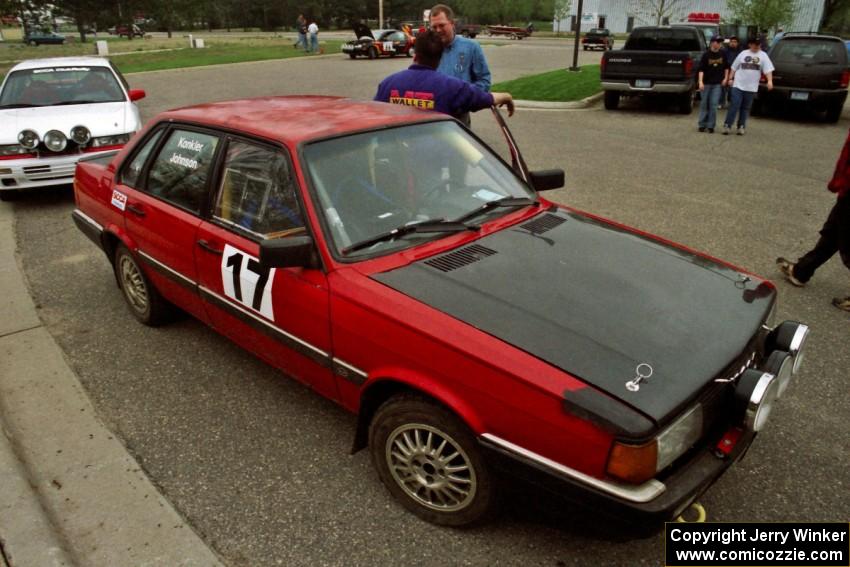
x=75 y=495
x=572 y=105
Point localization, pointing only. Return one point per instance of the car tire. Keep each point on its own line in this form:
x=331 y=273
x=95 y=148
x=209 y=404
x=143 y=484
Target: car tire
x=833 y=111
x=373 y=52
x=473 y=35
x=418 y=477
x=686 y=102
x=33 y=43
x=145 y=302
x=352 y=55
x=584 y=47
x=757 y=108
x=9 y=195
x=464 y=33
x=410 y=52
x=612 y=100
x=513 y=36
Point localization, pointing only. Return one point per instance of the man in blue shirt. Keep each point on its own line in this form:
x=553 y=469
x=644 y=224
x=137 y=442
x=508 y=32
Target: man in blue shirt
x=423 y=86
x=462 y=57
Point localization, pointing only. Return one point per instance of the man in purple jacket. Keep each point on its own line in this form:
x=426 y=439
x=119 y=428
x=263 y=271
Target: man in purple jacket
x=421 y=86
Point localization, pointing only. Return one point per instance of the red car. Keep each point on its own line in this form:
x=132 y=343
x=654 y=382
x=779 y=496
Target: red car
x=391 y=260
x=378 y=43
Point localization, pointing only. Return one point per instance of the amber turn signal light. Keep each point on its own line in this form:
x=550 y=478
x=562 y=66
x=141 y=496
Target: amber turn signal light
x=633 y=463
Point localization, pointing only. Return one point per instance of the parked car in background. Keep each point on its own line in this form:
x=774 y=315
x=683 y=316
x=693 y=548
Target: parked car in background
x=55 y=111
x=42 y=37
x=467 y=29
x=394 y=263
x=811 y=71
x=125 y=31
x=598 y=38
x=656 y=60
x=378 y=43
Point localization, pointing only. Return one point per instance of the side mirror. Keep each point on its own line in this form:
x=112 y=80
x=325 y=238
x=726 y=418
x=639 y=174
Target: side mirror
x=289 y=252
x=546 y=179
x=137 y=94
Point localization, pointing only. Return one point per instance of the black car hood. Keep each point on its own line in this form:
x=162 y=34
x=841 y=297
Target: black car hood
x=362 y=30
x=597 y=301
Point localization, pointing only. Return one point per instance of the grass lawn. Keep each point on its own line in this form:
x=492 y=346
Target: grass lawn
x=554 y=86
x=148 y=55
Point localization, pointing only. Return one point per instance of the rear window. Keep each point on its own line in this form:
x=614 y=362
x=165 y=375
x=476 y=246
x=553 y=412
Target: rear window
x=809 y=52
x=651 y=39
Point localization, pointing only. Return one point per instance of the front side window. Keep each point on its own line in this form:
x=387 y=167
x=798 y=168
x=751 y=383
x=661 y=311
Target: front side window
x=257 y=193
x=373 y=182
x=180 y=171
x=61 y=85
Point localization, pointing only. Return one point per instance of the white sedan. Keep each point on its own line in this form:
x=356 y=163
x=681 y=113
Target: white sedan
x=55 y=111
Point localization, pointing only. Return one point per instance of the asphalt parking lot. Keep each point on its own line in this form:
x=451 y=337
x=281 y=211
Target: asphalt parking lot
x=260 y=465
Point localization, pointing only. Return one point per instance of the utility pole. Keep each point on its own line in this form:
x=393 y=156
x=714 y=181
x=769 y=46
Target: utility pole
x=381 y=14
x=575 y=67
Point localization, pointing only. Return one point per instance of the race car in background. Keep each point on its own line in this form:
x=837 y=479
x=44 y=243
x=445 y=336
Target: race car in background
x=377 y=43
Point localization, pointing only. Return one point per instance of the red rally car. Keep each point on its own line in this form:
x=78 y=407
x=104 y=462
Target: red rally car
x=394 y=262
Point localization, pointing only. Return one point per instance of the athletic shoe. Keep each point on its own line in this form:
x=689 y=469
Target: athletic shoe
x=741 y=130
x=702 y=128
x=787 y=269
x=711 y=130
x=726 y=130
x=843 y=304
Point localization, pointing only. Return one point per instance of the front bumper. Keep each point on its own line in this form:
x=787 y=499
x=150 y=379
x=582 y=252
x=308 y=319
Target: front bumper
x=44 y=171
x=645 y=507
x=655 y=87
x=356 y=49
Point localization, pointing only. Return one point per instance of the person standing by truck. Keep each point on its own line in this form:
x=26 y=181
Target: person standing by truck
x=746 y=73
x=713 y=76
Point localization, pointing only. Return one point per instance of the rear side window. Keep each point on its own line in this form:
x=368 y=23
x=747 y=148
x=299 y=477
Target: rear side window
x=809 y=52
x=673 y=39
x=131 y=173
x=180 y=171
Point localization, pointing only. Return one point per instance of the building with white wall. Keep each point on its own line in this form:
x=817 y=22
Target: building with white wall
x=620 y=16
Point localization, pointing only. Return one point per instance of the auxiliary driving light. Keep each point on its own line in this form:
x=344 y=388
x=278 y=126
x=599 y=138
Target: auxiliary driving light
x=789 y=336
x=754 y=397
x=80 y=134
x=780 y=364
x=28 y=139
x=55 y=141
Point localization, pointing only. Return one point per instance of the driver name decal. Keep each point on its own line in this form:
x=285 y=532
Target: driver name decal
x=190 y=145
x=243 y=280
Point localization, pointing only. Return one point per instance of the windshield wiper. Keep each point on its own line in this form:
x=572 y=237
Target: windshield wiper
x=503 y=202
x=430 y=225
x=20 y=105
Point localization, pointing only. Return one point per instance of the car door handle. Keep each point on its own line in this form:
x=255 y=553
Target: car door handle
x=136 y=210
x=209 y=247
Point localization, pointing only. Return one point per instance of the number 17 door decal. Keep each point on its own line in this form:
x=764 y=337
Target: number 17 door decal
x=247 y=283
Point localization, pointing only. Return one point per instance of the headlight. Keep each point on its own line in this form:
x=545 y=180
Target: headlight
x=754 y=397
x=28 y=139
x=780 y=364
x=80 y=134
x=14 y=150
x=639 y=463
x=116 y=140
x=55 y=141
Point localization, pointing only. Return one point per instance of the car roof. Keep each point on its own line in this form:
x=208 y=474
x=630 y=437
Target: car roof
x=61 y=62
x=295 y=119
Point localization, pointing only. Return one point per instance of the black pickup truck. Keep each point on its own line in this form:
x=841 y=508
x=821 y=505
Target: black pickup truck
x=655 y=60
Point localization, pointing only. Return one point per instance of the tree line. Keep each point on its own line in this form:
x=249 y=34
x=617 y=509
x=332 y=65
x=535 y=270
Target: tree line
x=271 y=15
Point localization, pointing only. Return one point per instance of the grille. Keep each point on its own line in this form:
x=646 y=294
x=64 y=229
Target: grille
x=460 y=258
x=543 y=224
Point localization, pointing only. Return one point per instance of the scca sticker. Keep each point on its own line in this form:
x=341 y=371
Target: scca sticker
x=119 y=199
x=245 y=281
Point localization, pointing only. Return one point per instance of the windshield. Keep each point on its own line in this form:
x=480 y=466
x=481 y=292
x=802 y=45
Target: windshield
x=809 y=51
x=61 y=85
x=374 y=182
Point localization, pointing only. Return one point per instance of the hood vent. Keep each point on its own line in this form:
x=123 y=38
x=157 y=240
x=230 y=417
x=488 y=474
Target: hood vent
x=543 y=224
x=460 y=258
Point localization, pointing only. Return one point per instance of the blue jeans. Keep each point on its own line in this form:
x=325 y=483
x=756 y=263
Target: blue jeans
x=314 y=42
x=302 y=41
x=708 y=106
x=740 y=108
